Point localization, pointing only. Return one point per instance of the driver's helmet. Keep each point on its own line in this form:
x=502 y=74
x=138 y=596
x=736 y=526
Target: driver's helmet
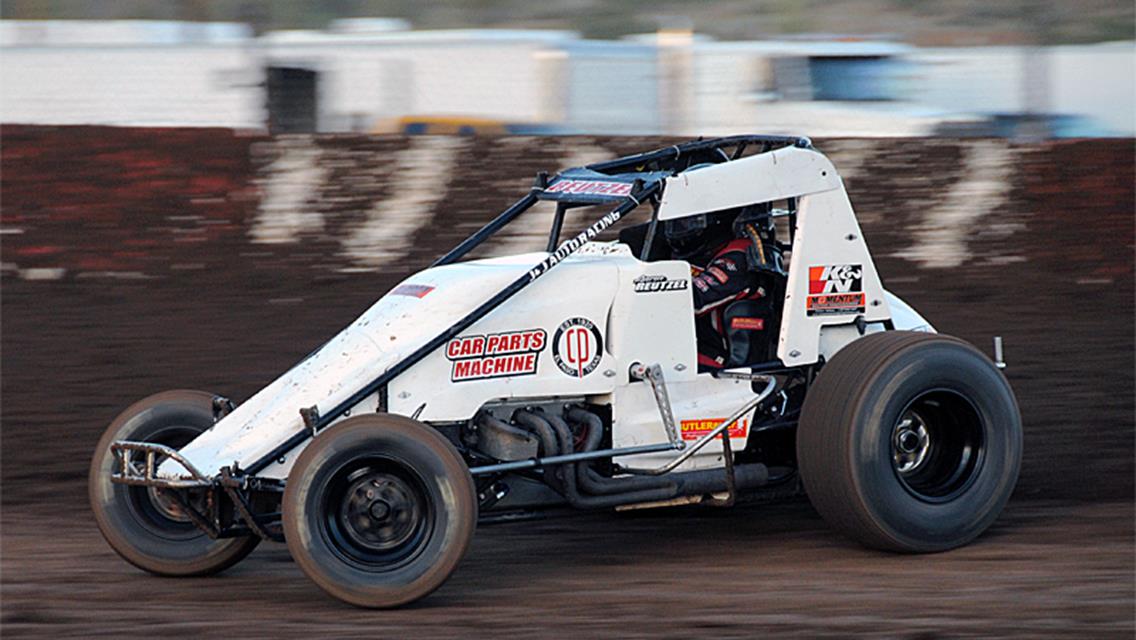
x=693 y=235
x=759 y=216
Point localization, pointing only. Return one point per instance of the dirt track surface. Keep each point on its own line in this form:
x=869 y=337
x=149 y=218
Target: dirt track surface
x=1046 y=569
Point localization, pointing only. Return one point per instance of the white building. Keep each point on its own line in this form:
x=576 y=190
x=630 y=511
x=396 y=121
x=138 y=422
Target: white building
x=360 y=73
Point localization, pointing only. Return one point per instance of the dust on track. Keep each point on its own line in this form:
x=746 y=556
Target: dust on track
x=1046 y=569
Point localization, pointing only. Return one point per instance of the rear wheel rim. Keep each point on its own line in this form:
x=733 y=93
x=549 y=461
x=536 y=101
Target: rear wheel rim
x=938 y=445
x=376 y=514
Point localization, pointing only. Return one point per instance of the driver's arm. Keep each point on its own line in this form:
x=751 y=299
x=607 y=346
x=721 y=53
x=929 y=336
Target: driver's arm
x=725 y=279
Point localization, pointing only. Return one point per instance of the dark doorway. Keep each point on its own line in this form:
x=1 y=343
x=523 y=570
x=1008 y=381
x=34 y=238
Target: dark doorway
x=292 y=100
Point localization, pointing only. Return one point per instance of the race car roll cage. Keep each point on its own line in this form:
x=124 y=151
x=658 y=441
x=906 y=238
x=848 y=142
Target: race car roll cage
x=645 y=173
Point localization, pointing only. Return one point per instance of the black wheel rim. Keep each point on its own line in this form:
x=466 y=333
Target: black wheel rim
x=155 y=509
x=377 y=514
x=937 y=445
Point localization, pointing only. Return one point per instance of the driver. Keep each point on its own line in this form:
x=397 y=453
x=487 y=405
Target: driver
x=731 y=253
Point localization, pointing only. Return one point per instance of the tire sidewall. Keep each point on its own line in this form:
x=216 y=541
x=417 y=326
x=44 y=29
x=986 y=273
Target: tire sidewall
x=444 y=478
x=917 y=524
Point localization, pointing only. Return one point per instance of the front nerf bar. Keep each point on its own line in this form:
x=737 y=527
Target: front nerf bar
x=127 y=472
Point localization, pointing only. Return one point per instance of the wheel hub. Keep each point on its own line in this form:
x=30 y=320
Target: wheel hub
x=937 y=445
x=910 y=443
x=166 y=505
x=380 y=512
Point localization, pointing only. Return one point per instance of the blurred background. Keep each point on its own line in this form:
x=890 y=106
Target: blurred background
x=195 y=193
x=1020 y=68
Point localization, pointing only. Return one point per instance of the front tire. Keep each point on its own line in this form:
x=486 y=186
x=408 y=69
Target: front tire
x=140 y=523
x=379 y=510
x=910 y=442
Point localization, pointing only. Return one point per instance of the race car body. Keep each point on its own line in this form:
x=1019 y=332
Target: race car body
x=505 y=388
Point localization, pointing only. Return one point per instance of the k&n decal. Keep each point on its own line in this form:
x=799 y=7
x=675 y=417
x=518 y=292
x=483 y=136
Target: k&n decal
x=835 y=288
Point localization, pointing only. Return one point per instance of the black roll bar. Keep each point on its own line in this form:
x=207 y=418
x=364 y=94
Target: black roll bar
x=674 y=152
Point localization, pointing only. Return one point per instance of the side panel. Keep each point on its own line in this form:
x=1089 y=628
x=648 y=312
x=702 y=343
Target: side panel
x=652 y=319
x=698 y=404
x=549 y=340
x=652 y=322
x=832 y=279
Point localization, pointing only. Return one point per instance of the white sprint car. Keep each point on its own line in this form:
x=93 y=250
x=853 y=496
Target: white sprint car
x=504 y=388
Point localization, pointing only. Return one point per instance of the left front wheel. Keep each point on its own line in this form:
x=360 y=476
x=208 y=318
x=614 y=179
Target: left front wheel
x=142 y=524
x=379 y=510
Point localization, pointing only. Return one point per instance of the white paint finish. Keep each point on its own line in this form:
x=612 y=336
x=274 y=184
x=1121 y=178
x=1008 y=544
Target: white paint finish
x=383 y=335
x=905 y=317
x=787 y=172
x=941 y=236
x=424 y=172
x=396 y=325
x=827 y=234
x=700 y=397
x=655 y=327
x=580 y=287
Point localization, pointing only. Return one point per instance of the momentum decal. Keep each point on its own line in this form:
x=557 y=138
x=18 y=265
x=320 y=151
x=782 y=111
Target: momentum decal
x=651 y=284
x=834 y=289
x=413 y=290
x=695 y=429
x=513 y=353
x=577 y=347
x=590 y=187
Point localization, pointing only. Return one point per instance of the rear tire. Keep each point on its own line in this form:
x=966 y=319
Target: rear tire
x=910 y=442
x=137 y=522
x=379 y=510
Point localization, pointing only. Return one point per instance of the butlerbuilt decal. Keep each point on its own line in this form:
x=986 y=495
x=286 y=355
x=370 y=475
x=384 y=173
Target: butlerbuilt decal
x=497 y=355
x=577 y=347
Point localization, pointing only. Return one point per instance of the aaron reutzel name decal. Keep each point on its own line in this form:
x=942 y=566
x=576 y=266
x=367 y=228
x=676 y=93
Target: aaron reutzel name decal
x=513 y=353
x=590 y=187
x=651 y=284
x=836 y=288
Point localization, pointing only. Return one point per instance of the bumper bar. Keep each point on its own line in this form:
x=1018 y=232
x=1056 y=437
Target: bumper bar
x=128 y=471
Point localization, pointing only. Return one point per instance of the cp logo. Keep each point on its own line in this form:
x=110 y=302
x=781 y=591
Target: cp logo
x=577 y=347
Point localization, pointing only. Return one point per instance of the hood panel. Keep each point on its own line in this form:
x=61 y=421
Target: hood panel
x=404 y=319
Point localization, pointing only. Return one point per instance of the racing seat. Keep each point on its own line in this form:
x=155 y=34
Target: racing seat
x=751 y=327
